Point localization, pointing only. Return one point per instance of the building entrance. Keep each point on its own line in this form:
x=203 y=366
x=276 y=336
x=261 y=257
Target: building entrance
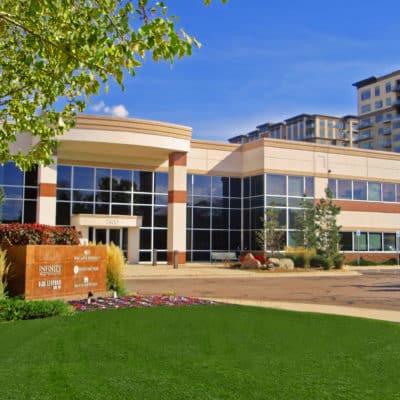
x=119 y=236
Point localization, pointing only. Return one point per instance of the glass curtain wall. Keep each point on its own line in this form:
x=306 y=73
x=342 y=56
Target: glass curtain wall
x=20 y=194
x=220 y=208
x=214 y=218
x=281 y=192
x=108 y=191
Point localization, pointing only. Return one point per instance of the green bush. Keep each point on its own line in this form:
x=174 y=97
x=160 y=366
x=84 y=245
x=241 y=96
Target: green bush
x=115 y=268
x=390 y=261
x=319 y=261
x=368 y=263
x=338 y=261
x=17 y=309
x=299 y=259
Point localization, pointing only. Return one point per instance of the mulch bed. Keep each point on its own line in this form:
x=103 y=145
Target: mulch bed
x=110 y=303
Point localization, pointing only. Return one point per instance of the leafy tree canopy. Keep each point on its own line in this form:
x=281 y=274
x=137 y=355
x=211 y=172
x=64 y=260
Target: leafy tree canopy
x=63 y=51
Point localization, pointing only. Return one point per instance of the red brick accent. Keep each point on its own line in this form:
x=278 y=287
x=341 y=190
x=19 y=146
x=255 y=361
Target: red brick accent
x=181 y=257
x=368 y=206
x=177 y=159
x=376 y=257
x=47 y=190
x=177 y=196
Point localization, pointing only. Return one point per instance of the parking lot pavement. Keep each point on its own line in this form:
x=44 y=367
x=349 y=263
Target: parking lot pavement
x=370 y=288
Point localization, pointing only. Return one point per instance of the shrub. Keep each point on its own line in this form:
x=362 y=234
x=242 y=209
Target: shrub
x=300 y=256
x=23 y=234
x=115 y=268
x=4 y=266
x=366 y=263
x=338 y=261
x=16 y=309
x=319 y=261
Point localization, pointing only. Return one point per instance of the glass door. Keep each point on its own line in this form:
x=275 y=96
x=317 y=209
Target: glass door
x=119 y=236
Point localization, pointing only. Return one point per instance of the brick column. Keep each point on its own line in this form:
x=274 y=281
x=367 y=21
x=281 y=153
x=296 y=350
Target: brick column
x=177 y=206
x=46 y=204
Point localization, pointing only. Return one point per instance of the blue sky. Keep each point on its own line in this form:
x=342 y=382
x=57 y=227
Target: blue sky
x=260 y=61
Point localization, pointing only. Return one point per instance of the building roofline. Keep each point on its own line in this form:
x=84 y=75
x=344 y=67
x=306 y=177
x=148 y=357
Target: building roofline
x=374 y=79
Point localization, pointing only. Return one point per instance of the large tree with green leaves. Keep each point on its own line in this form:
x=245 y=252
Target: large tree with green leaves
x=56 y=54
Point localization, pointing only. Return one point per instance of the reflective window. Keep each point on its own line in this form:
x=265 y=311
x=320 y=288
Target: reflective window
x=276 y=184
x=103 y=178
x=64 y=176
x=11 y=175
x=161 y=182
x=344 y=190
x=202 y=185
x=366 y=108
x=389 y=242
x=375 y=241
x=201 y=217
x=236 y=187
x=143 y=181
x=220 y=186
x=83 y=177
x=366 y=94
x=257 y=185
x=309 y=186
x=346 y=241
x=361 y=242
x=121 y=180
x=332 y=187
x=359 y=190
x=374 y=191
x=296 y=184
x=389 y=192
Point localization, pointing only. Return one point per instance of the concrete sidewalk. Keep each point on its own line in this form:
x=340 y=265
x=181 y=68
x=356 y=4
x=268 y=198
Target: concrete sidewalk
x=370 y=313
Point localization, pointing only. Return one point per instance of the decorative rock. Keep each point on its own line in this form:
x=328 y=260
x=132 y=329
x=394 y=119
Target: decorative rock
x=286 y=263
x=273 y=263
x=250 y=262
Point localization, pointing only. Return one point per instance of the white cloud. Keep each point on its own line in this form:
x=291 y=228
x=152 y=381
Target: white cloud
x=116 y=111
x=119 y=111
x=97 y=107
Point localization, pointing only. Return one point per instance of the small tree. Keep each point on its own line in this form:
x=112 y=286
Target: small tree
x=270 y=237
x=317 y=226
x=327 y=235
x=306 y=233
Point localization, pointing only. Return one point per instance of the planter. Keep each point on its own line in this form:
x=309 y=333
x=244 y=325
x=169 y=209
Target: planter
x=56 y=271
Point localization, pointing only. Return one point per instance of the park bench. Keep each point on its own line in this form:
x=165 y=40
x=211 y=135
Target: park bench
x=223 y=256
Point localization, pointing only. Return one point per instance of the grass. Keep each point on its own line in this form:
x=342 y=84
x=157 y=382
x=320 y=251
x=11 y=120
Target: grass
x=219 y=352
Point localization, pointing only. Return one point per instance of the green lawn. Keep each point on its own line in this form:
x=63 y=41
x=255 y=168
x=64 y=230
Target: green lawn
x=223 y=352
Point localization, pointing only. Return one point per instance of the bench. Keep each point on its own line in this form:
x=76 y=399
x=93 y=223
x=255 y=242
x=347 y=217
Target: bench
x=223 y=256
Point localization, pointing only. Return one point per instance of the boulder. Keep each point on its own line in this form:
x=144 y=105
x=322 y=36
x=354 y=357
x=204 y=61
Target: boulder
x=272 y=263
x=286 y=263
x=249 y=262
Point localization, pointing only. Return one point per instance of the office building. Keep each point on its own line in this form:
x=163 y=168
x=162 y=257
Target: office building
x=148 y=185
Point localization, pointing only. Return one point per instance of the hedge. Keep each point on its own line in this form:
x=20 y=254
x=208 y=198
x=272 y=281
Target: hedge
x=23 y=234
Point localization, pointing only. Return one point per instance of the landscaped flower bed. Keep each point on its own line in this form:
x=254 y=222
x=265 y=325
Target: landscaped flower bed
x=109 y=303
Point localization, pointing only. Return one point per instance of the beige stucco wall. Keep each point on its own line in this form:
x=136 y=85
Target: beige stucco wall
x=369 y=221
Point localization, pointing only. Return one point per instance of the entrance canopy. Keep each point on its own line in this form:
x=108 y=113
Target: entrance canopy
x=106 y=221
x=83 y=222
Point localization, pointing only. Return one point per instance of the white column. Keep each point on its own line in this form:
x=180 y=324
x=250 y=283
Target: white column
x=47 y=183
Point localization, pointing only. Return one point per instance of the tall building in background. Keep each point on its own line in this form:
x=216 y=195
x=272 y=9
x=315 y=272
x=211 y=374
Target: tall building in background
x=379 y=112
x=312 y=128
